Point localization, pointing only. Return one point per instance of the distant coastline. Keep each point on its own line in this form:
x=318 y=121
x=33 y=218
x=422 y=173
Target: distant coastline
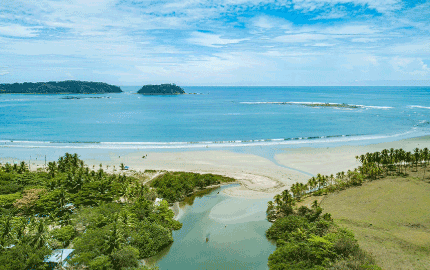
x=61 y=87
x=161 y=89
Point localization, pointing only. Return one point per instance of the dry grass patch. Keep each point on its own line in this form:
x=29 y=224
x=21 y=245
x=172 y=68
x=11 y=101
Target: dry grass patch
x=390 y=218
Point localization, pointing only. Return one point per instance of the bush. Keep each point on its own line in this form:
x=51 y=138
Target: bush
x=150 y=239
x=125 y=257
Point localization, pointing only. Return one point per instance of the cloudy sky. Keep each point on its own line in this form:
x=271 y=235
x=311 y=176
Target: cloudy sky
x=216 y=42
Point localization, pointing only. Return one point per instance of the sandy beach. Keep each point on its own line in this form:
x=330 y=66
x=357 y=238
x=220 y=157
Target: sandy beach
x=259 y=176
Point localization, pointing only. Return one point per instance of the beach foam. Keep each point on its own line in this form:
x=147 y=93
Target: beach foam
x=316 y=103
x=420 y=107
x=206 y=144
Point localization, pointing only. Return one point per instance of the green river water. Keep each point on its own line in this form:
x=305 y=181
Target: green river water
x=220 y=232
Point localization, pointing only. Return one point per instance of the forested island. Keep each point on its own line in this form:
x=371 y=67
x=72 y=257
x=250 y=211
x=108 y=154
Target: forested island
x=62 y=87
x=161 y=89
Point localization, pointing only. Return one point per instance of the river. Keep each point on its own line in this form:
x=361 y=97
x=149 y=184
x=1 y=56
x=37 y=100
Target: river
x=220 y=232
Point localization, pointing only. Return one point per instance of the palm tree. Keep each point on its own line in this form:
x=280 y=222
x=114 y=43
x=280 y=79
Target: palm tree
x=38 y=238
x=425 y=157
x=408 y=159
x=417 y=157
x=6 y=232
x=270 y=212
x=392 y=155
x=312 y=183
x=22 y=167
x=52 y=168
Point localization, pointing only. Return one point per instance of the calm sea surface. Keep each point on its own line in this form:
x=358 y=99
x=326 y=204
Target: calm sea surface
x=221 y=115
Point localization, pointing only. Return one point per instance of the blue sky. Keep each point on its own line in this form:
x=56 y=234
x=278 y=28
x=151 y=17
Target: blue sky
x=211 y=42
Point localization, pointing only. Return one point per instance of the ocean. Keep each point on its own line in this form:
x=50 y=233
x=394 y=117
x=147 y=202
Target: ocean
x=219 y=117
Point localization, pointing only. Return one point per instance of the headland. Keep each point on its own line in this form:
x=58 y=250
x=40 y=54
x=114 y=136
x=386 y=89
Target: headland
x=61 y=87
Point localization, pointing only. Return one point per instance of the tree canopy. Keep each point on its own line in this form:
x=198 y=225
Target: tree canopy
x=62 y=87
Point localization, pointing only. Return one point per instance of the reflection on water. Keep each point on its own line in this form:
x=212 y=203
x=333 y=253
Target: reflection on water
x=190 y=200
x=219 y=232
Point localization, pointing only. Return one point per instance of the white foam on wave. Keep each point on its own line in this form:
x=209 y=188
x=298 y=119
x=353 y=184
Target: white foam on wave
x=8 y=100
x=37 y=142
x=420 y=107
x=376 y=107
x=316 y=103
x=197 y=145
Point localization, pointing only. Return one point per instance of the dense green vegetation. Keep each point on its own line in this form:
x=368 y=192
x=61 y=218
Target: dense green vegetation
x=63 y=87
x=161 y=89
x=306 y=239
x=110 y=220
x=373 y=166
x=175 y=186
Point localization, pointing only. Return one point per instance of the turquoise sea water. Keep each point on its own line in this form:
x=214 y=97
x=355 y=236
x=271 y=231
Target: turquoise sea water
x=219 y=116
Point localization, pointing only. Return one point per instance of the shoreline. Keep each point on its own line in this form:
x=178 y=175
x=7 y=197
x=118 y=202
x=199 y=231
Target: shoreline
x=260 y=176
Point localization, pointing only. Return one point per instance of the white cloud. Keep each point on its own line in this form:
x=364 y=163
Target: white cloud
x=211 y=40
x=335 y=12
x=364 y=40
x=412 y=66
x=16 y=30
x=236 y=39
x=350 y=30
x=4 y=71
x=299 y=38
x=268 y=22
x=416 y=46
x=264 y=22
x=381 y=6
x=322 y=44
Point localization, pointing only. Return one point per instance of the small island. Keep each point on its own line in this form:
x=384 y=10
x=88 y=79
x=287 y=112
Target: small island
x=333 y=105
x=161 y=89
x=312 y=104
x=62 y=87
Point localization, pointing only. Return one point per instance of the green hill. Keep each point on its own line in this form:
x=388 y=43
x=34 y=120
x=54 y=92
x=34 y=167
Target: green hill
x=161 y=89
x=62 y=87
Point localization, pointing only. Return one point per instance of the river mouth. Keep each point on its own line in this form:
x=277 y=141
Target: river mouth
x=219 y=232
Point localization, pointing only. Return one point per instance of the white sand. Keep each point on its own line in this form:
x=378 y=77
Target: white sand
x=259 y=177
x=333 y=160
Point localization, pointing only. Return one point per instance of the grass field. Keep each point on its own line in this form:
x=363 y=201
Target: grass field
x=390 y=218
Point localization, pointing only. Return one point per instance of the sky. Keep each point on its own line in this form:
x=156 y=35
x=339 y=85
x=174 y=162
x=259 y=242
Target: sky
x=216 y=42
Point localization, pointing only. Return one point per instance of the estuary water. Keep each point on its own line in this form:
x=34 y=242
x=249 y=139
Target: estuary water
x=220 y=232
x=216 y=117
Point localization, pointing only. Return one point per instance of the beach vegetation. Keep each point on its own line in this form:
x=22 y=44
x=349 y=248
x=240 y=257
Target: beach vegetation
x=111 y=221
x=175 y=186
x=308 y=239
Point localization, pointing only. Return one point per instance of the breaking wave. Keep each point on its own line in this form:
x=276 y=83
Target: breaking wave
x=198 y=144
